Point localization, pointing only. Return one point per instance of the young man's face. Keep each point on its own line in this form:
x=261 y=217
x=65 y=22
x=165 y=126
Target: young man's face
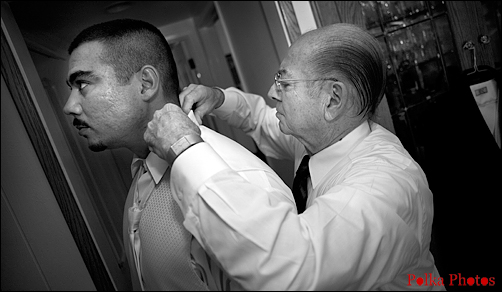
x=108 y=114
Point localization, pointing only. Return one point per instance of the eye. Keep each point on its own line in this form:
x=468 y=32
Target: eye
x=81 y=85
x=285 y=84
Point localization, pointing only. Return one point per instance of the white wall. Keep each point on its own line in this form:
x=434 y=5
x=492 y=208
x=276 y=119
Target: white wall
x=205 y=46
x=187 y=31
x=215 y=57
x=258 y=45
x=251 y=44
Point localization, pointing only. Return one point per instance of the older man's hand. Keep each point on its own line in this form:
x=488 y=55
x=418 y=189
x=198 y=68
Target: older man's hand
x=168 y=125
x=201 y=99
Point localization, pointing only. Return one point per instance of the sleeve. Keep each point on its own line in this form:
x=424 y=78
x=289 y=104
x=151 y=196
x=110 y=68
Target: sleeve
x=250 y=113
x=335 y=244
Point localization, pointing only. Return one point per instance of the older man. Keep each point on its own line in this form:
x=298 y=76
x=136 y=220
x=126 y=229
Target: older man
x=368 y=217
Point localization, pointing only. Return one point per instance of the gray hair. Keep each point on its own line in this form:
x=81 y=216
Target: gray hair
x=349 y=52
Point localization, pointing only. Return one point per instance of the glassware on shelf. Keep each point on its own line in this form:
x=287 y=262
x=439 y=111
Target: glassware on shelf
x=391 y=10
x=443 y=32
x=411 y=8
x=414 y=54
x=416 y=38
x=370 y=15
x=399 y=14
x=437 y=7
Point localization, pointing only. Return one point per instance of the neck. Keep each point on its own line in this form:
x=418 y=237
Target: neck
x=142 y=151
x=138 y=145
x=332 y=137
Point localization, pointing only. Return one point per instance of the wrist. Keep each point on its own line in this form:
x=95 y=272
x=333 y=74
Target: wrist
x=181 y=145
x=221 y=97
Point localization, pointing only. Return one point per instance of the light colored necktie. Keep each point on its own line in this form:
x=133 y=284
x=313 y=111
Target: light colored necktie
x=144 y=187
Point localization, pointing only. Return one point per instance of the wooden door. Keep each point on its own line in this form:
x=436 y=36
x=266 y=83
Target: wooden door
x=470 y=21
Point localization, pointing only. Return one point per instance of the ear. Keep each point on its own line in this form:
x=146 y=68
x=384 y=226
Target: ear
x=150 y=82
x=335 y=99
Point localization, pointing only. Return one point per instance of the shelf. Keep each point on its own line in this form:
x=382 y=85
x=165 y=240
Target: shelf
x=431 y=99
x=397 y=22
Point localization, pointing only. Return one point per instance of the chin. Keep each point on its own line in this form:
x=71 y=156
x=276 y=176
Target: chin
x=97 y=147
x=284 y=129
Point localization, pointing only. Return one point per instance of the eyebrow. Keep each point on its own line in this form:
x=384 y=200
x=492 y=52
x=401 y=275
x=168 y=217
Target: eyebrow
x=283 y=72
x=79 y=74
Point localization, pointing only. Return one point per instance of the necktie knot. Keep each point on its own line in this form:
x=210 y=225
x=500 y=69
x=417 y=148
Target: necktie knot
x=300 y=191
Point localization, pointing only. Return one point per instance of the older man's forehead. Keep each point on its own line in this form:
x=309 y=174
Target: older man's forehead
x=281 y=71
x=285 y=72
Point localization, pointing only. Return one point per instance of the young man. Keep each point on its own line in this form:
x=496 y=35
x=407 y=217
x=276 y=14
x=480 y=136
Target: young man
x=121 y=72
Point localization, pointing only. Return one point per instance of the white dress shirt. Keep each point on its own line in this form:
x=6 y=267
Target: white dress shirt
x=367 y=224
x=154 y=261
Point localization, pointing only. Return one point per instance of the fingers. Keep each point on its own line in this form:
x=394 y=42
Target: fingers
x=168 y=107
x=201 y=99
x=198 y=117
x=186 y=101
x=168 y=125
x=171 y=107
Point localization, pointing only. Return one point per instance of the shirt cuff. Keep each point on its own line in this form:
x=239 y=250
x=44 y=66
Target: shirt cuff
x=229 y=104
x=192 y=169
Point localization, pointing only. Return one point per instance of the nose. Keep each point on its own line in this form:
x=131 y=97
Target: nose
x=72 y=106
x=273 y=93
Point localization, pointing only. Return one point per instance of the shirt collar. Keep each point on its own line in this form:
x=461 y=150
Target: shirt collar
x=154 y=164
x=192 y=117
x=325 y=160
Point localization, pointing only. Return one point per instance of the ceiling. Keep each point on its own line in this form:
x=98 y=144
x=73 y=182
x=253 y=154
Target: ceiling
x=53 y=24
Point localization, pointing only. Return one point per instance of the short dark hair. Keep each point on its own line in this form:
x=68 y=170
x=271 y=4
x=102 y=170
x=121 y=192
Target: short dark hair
x=349 y=50
x=129 y=45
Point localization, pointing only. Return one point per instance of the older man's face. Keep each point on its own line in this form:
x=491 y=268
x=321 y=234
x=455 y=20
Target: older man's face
x=299 y=113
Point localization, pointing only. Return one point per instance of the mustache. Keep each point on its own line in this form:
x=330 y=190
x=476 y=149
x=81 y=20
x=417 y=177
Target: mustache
x=77 y=123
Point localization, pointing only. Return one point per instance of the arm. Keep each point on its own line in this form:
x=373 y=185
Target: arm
x=353 y=236
x=337 y=243
x=244 y=111
x=218 y=223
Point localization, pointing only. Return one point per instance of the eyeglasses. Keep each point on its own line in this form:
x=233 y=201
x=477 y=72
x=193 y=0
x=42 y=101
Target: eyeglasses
x=278 y=80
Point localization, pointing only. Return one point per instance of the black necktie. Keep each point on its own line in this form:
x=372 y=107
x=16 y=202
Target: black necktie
x=300 y=191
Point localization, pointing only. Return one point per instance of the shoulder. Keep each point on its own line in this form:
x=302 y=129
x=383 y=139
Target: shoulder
x=234 y=154
x=246 y=164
